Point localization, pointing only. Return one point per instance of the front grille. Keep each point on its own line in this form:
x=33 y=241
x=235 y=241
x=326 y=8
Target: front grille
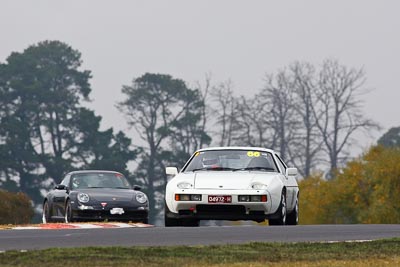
x=220 y=209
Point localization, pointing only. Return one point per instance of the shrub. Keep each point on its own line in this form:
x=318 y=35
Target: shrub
x=366 y=190
x=15 y=208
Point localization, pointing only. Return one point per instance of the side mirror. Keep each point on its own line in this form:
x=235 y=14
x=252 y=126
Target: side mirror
x=171 y=171
x=291 y=171
x=137 y=187
x=61 y=187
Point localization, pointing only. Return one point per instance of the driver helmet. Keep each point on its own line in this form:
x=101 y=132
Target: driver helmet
x=78 y=182
x=210 y=162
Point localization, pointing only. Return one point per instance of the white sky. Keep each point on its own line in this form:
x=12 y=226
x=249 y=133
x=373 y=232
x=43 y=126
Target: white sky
x=237 y=40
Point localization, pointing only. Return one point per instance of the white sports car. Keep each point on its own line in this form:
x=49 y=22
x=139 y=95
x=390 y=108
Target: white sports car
x=232 y=183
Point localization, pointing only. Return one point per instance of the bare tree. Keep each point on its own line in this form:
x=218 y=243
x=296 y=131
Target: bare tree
x=279 y=97
x=254 y=128
x=306 y=147
x=309 y=115
x=338 y=98
x=224 y=112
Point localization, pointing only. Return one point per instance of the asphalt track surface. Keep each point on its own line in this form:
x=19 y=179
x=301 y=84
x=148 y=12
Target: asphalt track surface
x=161 y=236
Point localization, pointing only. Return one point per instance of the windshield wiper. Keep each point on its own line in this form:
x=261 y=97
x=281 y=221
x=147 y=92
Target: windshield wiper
x=214 y=169
x=255 y=168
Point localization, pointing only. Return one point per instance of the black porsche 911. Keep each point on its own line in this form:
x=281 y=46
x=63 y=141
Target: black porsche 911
x=95 y=195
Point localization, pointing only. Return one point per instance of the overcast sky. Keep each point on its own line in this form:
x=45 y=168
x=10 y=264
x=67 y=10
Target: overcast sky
x=237 y=40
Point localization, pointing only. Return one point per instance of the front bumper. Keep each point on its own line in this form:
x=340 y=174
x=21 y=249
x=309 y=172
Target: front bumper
x=203 y=210
x=95 y=212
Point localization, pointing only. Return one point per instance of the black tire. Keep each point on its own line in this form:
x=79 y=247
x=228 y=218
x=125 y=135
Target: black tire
x=46 y=213
x=281 y=220
x=293 y=217
x=174 y=222
x=145 y=221
x=170 y=222
x=68 y=218
x=190 y=222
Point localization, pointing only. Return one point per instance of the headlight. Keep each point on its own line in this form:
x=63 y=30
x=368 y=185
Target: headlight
x=186 y=197
x=141 y=198
x=258 y=186
x=184 y=185
x=82 y=197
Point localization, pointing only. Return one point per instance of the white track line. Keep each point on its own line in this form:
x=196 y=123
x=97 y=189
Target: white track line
x=82 y=226
x=26 y=228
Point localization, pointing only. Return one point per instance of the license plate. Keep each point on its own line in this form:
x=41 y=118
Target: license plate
x=219 y=199
x=119 y=211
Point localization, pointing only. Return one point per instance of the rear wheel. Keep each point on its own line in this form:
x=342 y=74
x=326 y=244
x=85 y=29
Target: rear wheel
x=68 y=218
x=281 y=220
x=46 y=213
x=293 y=217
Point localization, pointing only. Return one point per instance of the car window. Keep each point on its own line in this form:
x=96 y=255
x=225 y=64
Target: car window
x=281 y=164
x=99 y=180
x=231 y=160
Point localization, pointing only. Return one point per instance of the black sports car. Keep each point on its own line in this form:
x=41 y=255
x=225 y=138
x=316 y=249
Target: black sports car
x=95 y=195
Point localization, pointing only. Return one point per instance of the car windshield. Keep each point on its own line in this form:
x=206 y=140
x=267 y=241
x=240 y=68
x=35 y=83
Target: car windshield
x=231 y=160
x=99 y=180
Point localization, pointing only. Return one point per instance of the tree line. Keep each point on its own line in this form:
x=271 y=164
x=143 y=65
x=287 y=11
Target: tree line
x=307 y=113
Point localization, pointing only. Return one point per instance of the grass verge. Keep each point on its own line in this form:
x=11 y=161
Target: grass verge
x=375 y=253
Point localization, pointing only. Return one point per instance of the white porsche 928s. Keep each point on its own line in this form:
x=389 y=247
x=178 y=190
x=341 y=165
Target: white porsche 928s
x=232 y=183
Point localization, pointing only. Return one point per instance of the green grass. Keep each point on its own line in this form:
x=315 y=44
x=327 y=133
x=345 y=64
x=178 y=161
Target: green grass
x=376 y=253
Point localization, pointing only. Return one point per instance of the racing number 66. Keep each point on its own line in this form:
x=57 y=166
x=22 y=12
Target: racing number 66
x=253 y=154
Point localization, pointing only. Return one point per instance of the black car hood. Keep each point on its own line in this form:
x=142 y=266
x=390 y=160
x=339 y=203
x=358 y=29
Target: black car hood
x=109 y=194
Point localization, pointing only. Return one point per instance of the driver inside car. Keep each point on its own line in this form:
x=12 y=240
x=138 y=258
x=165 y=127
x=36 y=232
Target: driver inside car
x=211 y=163
x=79 y=182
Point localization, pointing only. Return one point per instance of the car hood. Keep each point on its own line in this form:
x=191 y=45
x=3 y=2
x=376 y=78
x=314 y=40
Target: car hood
x=231 y=180
x=110 y=194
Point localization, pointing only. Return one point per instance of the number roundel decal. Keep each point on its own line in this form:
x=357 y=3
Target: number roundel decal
x=253 y=154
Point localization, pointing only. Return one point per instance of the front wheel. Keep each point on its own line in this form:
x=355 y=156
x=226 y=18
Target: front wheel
x=68 y=218
x=281 y=220
x=173 y=222
x=190 y=223
x=170 y=222
x=46 y=213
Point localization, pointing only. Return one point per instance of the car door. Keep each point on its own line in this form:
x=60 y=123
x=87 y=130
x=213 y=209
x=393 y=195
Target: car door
x=289 y=183
x=59 y=196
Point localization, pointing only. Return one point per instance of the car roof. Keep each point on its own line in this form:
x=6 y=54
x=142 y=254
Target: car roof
x=236 y=148
x=93 y=171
